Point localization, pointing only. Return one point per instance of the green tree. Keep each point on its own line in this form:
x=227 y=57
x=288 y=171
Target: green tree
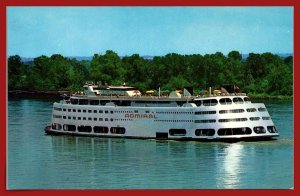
x=16 y=72
x=107 y=68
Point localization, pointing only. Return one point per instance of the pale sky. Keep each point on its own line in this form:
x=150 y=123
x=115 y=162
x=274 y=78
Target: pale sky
x=85 y=31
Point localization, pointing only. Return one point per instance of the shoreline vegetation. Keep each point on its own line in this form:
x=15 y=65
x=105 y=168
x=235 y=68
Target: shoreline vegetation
x=60 y=94
x=261 y=76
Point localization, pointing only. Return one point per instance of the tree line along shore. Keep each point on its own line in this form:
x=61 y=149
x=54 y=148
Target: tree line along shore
x=264 y=75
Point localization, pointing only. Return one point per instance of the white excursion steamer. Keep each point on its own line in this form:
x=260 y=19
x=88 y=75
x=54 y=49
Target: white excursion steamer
x=121 y=111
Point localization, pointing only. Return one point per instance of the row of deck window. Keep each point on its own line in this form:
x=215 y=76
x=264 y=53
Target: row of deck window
x=88 y=129
x=230 y=111
x=172 y=132
x=231 y=120
x=156 y=120
x=205 y=102
x=225 y=131
x=82 y=118
x=160 y=112
x=83 y=110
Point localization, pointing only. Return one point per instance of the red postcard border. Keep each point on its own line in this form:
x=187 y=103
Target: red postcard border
x=3 y=86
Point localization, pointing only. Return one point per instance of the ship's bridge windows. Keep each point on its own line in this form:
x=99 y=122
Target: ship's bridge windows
x=225 y=101
x=272 y=129
x=234 y=131
x=259 y=130
x=69 y=127
x=262 y=109
x=100 y=129
x=232 y=111
x=74 y=101
x=210 y=102
x=177 y=132
x=56 y=126
x=83 y=102
x=205 y=132
x=238 y=100
x=86 y=129
x=117 y=130
x=251 y=110
x=94 y=102
x=247 y=100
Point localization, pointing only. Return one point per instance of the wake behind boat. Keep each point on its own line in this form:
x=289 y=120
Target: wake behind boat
x=122 y=111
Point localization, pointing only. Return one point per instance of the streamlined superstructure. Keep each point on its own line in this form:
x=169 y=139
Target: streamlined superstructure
x=122 y=111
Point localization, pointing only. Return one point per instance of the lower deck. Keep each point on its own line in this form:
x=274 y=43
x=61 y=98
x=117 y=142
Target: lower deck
x=166 y=136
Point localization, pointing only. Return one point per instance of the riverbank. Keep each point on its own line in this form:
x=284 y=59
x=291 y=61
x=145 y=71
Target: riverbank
x=50 y=94
x=274 y=97
x=54 y=94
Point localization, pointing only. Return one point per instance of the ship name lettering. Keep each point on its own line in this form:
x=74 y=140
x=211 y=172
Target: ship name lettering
x=140 y=116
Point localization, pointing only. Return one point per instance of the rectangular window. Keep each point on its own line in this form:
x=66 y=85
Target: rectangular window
x=56 y=116
x=205 y=121
x=58 y=109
